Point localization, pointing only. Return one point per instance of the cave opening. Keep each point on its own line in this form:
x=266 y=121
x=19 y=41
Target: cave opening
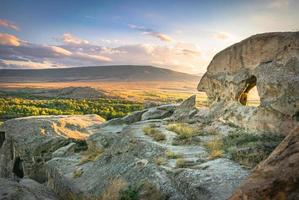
x=18 y=167
x=250 y=96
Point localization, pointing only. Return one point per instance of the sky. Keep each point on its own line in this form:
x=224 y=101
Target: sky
x=181 y=35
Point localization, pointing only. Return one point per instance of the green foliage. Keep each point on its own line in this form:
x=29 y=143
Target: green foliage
x=250 y=149
x=130 y=193
x=154 y=132
x=105 y=107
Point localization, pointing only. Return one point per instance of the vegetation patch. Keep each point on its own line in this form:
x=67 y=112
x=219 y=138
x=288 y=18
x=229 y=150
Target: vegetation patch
x=155 y=133
x=112 y=192
x=214 y=148
x=172 y=155
x=248 y=149
x=182 y=163
x=107 y=108
x=183 y=130
x=160 y=160
x=77 y=173
x=144 y=190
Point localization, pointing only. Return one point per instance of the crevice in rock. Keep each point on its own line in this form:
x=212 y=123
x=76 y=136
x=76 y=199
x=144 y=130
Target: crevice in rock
x=18 y=169
x=2 y=138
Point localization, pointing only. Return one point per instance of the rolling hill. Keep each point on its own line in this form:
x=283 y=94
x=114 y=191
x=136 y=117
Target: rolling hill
x=99 y=73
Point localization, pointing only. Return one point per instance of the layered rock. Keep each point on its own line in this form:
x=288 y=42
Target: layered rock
x=269 y=61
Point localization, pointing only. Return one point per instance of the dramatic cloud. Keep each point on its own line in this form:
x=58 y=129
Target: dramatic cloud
x=151 y=32
x=70 y=39
x=8 y=24
x=9 y=40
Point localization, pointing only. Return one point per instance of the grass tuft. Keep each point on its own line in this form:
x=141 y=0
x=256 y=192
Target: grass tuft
x=172 y=155
x=183 y=130
x=156 y=134
x=112 y=192
x=214 y=148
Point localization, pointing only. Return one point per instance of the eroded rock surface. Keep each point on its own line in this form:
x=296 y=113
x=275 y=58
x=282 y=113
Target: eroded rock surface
x=269 y=61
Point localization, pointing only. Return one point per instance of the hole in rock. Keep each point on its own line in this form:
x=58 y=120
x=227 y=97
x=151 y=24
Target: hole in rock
x=2 y=138
x=250 y=96
x=18 y=168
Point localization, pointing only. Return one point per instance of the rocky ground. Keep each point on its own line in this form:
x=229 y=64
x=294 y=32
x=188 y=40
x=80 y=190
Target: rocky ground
x=226 y=151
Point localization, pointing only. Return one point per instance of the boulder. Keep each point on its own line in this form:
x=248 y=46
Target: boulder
x=159 y=112
x=185 y=111
x=31 y=141
x=268 y=61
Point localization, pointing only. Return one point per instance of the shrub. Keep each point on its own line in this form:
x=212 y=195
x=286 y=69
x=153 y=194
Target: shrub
x=154 y=133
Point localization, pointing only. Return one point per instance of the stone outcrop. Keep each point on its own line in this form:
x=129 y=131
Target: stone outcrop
x=26 y=189
x=269 y=61
x=52 y=150
x=30 y=142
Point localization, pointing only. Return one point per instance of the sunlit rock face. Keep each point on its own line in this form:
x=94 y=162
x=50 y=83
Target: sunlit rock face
x=268 y=61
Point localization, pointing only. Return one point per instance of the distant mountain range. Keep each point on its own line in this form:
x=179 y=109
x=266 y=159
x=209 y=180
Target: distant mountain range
x=99 y=73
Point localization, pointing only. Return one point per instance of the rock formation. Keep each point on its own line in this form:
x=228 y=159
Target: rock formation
x=271 y=62
x=171 y=151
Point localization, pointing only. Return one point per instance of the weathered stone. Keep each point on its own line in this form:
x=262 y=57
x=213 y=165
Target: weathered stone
x=26 y=189
x=185 y=111
x=277 y=177
x=31 y=141
x=271 y=62
x=159 y=112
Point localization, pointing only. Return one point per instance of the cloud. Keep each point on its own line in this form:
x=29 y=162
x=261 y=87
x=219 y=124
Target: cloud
x=221 y=36
x=18 y=64
x=279 y=3
x=8 y=24
x=68 y=38
x=9 y=40
x=147 y=31
x=100 y=58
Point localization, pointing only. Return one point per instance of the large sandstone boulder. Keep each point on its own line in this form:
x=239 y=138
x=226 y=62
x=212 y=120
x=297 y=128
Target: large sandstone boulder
x=269 y=61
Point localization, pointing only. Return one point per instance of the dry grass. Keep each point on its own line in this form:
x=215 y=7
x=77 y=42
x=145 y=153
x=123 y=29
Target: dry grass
x=214 y=147
x=160 y=160
x=91 y=154
x=172 y=155
x=183 y=130
x=181 y=163
x=112 y=192
x=154 y=133
x=77 y=173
